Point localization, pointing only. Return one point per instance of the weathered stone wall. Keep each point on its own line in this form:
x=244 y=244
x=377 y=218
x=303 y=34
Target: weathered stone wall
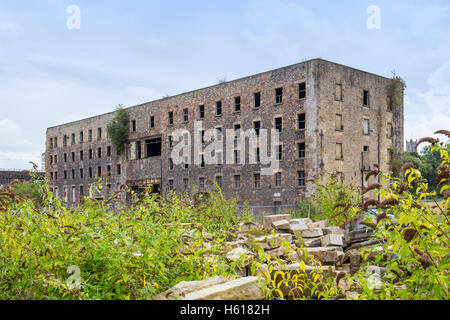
x=6 y=177
x=319 y=136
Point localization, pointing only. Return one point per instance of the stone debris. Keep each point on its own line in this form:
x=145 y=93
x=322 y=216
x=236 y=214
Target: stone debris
x=267 y=223
x=247 y=288
x=336 y=249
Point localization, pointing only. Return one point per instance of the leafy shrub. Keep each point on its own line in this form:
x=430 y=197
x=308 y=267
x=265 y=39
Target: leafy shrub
x=133 y=252
x=118 y=129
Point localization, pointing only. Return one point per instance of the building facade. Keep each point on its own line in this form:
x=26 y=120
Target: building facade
x=331 y=119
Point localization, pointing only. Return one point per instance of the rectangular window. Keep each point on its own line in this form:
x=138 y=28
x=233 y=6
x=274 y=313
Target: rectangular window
x=73 y=156
x=108 y=151
x=186 y=184
x=202 y=136
x=81 y=191
x=339 y=154
x=73 y=174
x=237 y=181
x=278 y=95
x=278 y=179
x=201 y=182
x=99 y=171
x=202 y=161
x=300 y=178
x=133 y=125
x=118 y=170
x=152 y=122
x=138 y=150
x=99 y=153
x=279 y=124
x=56 y=158
x=338 y=123
x=170 y=164
x=302 y=90
x=257 y=155
x=366 y=98
x=186 y=162
x=65 y=174
x=99 y=133
x=51 y=175
x=90 y=172
x=201 y=111
x=153 y=147
x=257 y=127
x=170 y=117
x=301 y=123
x=389 y=103
x=279 y=152
x=65 y=157
x=55 y=142
x=301 y=150
x=237 y=131
x=237 y=104
x=218 y=108
x=170 y=141
x=390 y=130
x=90 y=135
x=73 y=138
x=237 y=156
x=219 y=158
x=51 y=143
x=366 y=127
x=81 y=136
x=257 y=99
x=219 y=134
x=219 y=181
x=185 y=115
x=257 y=180
x=56 y=176
x=81 y=173
x=170 y=185
x=108 y=170
x=64 y=140
x=338 y=92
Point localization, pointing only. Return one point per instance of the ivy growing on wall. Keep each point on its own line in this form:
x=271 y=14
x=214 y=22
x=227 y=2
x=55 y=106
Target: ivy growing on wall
x=397 y=88
x=119 y=128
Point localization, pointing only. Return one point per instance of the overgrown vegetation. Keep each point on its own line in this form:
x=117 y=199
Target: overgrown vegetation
x=118 y=129
x=397 y=89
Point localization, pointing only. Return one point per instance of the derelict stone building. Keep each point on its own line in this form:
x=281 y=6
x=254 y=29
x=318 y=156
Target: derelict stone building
x=331 y=119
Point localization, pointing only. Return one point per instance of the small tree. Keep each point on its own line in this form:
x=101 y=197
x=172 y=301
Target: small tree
x=119 y=128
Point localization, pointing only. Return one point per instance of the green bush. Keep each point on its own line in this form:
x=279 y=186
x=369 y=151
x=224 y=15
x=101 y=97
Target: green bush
x=133 y=252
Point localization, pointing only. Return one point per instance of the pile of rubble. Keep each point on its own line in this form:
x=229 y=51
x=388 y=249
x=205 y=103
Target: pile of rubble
x=338 y=251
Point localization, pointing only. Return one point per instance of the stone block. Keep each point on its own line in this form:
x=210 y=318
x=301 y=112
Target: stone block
x=332 y=240
x=333 y=230
x=325 y=254
x=183 y=288
x=319 y=224
x=312 y=242
x=248 y=288
x=281 y=225
x=267 y=222
x=312 y=233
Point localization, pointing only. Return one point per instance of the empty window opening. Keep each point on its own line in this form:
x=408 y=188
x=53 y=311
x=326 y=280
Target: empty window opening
x=302 y=90
x=153 y=147
x=278 y=95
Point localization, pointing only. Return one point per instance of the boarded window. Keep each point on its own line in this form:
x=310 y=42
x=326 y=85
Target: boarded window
x=366 y=126
x=339 y=125
x=339 y=154
x=338 y=92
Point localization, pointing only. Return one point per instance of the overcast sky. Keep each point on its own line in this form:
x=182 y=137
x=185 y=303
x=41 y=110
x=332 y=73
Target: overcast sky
x=131 y=52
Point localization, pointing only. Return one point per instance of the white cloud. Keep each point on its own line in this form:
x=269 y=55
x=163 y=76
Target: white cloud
x=428 y=110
